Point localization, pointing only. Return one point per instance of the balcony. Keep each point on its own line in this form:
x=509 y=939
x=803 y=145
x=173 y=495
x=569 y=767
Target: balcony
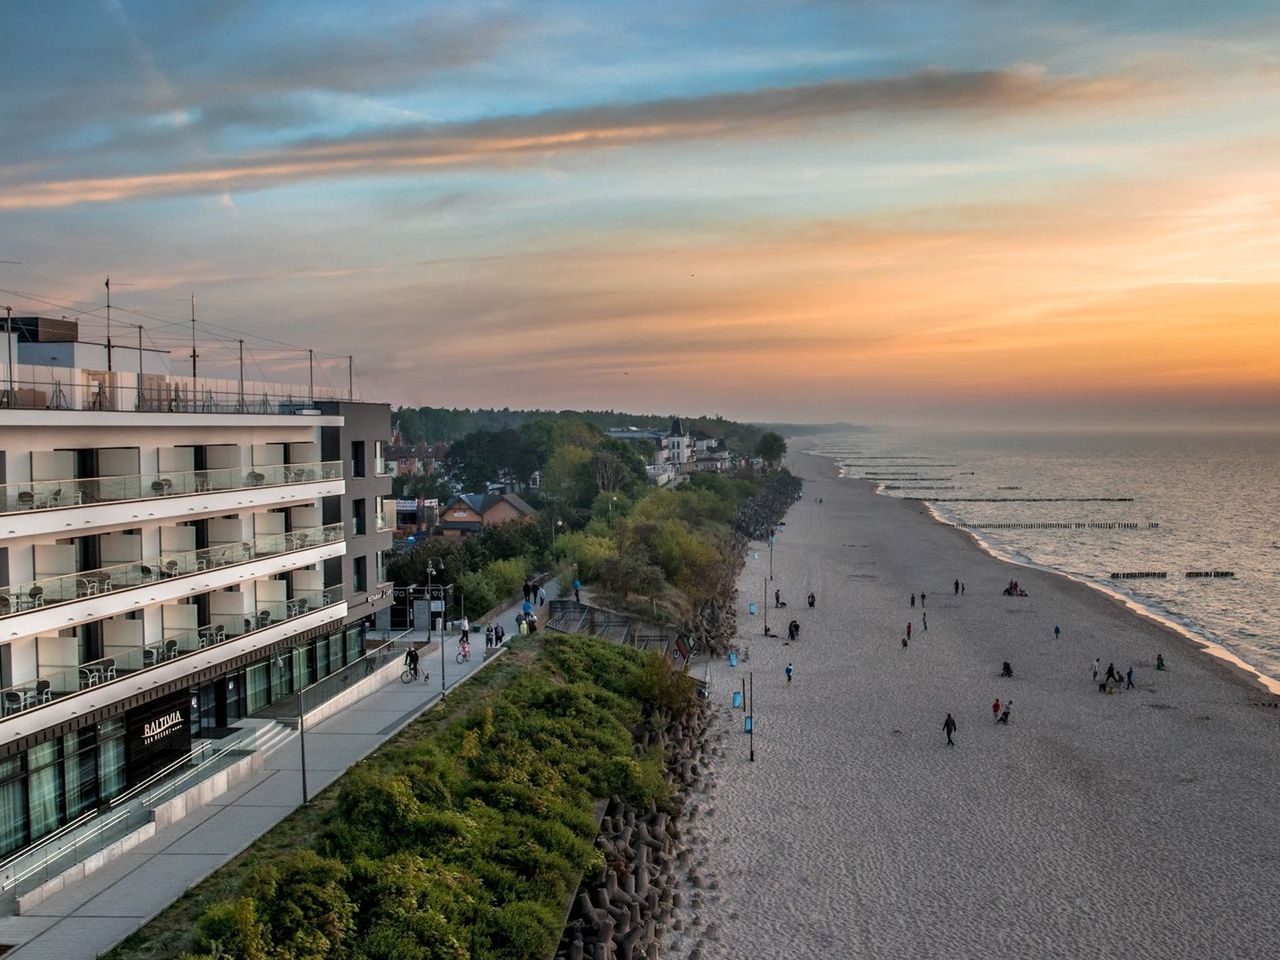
x=383 y=467
x=70 y=587
x=52 y=494
x=55 y=684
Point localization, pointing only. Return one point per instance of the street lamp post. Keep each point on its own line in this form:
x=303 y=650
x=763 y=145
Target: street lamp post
x=770 y=553
x=766 y=608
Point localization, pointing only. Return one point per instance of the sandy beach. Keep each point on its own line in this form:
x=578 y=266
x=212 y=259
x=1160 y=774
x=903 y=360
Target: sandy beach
x=1141 y=824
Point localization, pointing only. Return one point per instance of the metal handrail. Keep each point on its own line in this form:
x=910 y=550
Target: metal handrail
x=218 y=754
x=13 y=881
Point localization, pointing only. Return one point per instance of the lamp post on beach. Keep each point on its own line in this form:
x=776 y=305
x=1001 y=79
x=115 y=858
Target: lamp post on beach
x=766 y=608
x=751 y=713
x=771 y=553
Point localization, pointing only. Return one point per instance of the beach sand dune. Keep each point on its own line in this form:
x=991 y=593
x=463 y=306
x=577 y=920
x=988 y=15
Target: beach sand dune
x=1140 y=824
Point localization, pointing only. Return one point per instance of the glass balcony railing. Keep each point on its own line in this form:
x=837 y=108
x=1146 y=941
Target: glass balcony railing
x=50 y=494
x=24 y=597
x=383 y=467
x=60 y=682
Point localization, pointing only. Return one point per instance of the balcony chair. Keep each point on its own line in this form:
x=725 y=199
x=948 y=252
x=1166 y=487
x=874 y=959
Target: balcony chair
x=157 y=488
x=148 y=574
x=44 y=691
x=6 y=605
x=171 y=568
x=55 y=499
x=12 y=702
x=264 y=618
x=108 y=669
x=89 y=678
x=35 y=597
x=26 y=500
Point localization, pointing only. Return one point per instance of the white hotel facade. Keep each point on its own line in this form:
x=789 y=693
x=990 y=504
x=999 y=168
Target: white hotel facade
x=175 y=555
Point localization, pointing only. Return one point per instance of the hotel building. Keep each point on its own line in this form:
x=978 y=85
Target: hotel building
x=175 y=555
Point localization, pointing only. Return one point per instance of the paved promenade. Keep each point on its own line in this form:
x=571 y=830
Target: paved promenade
x=90 y=917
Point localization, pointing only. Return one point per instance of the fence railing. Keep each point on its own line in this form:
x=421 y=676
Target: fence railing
x=52 y=684
x=22 y=496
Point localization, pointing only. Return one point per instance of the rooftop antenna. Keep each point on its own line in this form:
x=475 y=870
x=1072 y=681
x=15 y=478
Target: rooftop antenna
x=193 y=336
x=108 y=286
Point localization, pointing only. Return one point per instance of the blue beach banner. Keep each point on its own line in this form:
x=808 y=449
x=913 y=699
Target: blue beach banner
x=733 y=658
x=746 y=724
x=751 y=608
x=737 y=699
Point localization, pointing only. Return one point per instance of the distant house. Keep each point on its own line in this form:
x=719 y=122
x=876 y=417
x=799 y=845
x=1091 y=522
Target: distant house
x=469 y=513
x=673 y=451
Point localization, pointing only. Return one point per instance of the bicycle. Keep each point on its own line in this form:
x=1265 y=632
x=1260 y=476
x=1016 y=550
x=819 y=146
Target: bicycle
x=410 y=674
x=464 y=654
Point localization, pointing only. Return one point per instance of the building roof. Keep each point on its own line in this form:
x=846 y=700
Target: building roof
x=482 y=503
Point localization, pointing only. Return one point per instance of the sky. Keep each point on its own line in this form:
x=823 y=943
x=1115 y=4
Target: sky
x=927 y=212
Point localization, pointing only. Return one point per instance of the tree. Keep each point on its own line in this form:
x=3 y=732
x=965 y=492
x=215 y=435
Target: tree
x=772 y=448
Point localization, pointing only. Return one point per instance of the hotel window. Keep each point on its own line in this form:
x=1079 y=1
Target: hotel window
x=360 y=574
x=13 y=805
x=110 y=758
x=358 y=511
x=357 y=458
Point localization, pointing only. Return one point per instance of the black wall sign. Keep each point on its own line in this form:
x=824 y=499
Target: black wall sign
x=156 y=735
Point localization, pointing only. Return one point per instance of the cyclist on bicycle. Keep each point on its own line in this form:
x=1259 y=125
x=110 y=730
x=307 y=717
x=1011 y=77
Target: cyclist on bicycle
x=464 y=648
x=411 y=660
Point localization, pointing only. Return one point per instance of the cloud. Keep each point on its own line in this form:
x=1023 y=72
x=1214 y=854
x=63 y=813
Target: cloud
x=525 y=139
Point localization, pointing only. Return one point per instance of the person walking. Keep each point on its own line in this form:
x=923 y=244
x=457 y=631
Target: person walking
x=790 y=671
x=1111 y=673
x=499 y=634
x=1057 y=631
x=908 y=629
x=957 y=586
x=962 y=588
x=777 y=599
x=1128 y=679
x=921 y=599
x=913 y=599
x=995 y=710
x=1095 y=667
x=542 y=596
x=812 y=599
x=924 y=620
x=577 y=589
x=527 y=590
x=949 y=727
x=1004 y=714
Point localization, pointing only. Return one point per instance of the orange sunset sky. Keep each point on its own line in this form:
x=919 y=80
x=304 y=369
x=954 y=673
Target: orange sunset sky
x=1022 y=214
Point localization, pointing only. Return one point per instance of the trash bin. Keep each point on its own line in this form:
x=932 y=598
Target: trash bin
x=751 y=608
x=733 y=658
x=737 y=699
x=746 y=724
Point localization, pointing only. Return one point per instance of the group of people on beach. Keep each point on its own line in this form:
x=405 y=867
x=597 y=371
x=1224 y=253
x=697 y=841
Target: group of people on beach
x=1112 y=680
x=1014 y=589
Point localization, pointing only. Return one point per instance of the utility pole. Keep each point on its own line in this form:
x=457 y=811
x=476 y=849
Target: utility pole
x=108 y=285
x=10 y=397
x=193 y=339
x=351 y=377
x=241 y=409
x=311 y=379
x=138 y=404
x=751 y=715
x=766 y=608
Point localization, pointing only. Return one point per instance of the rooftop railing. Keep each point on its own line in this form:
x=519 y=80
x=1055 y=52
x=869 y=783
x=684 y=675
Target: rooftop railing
x=27 y=495
x=62 y=681
x=68 y=587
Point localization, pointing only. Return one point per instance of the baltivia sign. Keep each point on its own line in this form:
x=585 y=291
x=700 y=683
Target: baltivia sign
x=156 y=735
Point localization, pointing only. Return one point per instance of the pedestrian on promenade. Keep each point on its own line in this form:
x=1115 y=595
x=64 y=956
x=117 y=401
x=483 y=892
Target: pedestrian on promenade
x=908 y=629
x=499 y=634
x=577 y=589
x=924 y=619
x=1057 y=631
x=904 y=643
x=777 y=599
x=523 y=624
x=527 y=589
x=526 y=608
x=913 y=599
x=488 y=636
x=1004 y=714
x=922 y=600
x=411 y=660
x=995 y=710
x=464 y=629
x=542 y=596
x=812 y=599
x=949 y=727
x=790 y=671
x=957 y=586
x=533 y=623
x=1111 y=672
x=1128 y=679
x=1095 y=667
x=1159 y=661
x=962 y=588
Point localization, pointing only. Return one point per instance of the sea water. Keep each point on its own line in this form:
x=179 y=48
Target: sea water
x=1201 y=502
